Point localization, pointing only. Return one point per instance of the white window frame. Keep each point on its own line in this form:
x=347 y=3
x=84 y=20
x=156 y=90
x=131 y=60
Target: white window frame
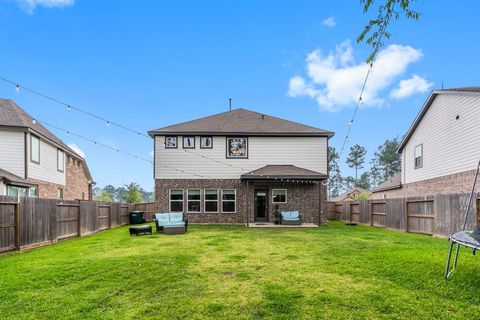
x=170 y=199
x=60 y=161
x=234 y=201
x=273 y=196
x=205 y=200
x=34 y=138
x=199 y=200
x=60 y=193
x=415 y=156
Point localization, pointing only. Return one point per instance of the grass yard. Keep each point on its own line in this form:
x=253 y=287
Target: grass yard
x=332 y=272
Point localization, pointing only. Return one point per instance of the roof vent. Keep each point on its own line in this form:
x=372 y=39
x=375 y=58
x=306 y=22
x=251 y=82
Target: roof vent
x=263 y=117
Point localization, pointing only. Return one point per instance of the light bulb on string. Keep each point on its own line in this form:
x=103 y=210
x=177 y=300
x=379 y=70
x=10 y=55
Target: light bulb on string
x=34 y=121
x=107 y=123
x=17 y=88
x=69 y=108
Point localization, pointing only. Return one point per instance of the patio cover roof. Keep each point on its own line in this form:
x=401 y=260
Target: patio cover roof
x=272 y=172
x=14 y=180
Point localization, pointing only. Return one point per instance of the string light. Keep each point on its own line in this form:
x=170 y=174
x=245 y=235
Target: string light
x=369 y=71
x=70 y=107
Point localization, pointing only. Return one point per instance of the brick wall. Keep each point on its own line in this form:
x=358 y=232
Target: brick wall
x=46 y=189
x=450 y=184
x=77 y=186
x=306 y=198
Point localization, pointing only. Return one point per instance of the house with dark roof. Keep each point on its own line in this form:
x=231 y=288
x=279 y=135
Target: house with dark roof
x=36 y=163
x=441 y=149
x=241 y=166
x=350 y=195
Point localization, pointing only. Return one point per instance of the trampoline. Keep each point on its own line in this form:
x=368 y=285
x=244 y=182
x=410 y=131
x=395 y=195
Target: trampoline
x=469 y=239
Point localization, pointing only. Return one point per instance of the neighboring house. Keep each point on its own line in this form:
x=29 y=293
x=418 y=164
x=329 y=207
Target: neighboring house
x=237 y=166
x=349 y=195
x=441 y=149
x=34 y=162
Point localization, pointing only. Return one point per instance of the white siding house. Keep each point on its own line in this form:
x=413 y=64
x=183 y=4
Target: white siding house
x=241 y=166
x=441 y=149
x=33 y=161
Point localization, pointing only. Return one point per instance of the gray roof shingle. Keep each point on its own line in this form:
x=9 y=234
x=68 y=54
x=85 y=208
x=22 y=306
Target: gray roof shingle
x=13 y=179
x=242 y=122
x=270 y=172
x=394 y=182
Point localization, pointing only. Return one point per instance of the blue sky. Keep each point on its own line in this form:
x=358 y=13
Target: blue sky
x=147 y=64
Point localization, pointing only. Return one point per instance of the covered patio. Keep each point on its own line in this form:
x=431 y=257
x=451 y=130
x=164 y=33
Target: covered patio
x=275 y=188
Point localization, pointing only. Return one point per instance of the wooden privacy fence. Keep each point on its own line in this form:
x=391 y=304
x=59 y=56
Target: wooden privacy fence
x=439 y=215
x=30 y=222
x=148 y=209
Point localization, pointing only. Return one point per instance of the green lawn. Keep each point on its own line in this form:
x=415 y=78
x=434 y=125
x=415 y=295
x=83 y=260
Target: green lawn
x=332 y=272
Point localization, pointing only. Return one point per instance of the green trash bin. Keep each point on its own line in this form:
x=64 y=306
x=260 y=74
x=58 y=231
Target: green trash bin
x=136 y=217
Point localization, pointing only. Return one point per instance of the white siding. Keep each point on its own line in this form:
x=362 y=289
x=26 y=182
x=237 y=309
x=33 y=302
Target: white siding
x=305 y=152
x=47 y=169
x=449 y=145
x=3 y=189
x=12 y=152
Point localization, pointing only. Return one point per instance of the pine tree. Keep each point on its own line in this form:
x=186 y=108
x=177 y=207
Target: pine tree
x=334 y=173
x=356 y=158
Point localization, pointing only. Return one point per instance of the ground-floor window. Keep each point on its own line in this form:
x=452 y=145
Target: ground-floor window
x=59 y=193
x=228 y=200
x=211 y=200
x=14 y=191
x=176 y=200
x=279 y=195
x=193 y=200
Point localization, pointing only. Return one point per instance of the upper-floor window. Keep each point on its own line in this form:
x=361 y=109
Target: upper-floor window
x=170 y=142
x=34 y=149
x=206 y=142
x=60 y=160
x=418 y=154
x=237 y=148
x=188 y=142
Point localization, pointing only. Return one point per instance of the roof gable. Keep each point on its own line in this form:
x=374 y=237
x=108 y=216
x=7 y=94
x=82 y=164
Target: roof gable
x=241 y=122
x=426 y=106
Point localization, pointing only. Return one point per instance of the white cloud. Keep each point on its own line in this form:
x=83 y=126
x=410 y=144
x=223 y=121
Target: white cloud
x=329 y=22
x=335 y=80
x=406 y=88
x=30 y=5
x=77 y=149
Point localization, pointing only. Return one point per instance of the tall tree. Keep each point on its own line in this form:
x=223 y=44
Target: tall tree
x=104 y=196
x=110 y=190
x=364 y=181
x=334 y=173
x=375 y=171
x=132 y=194
x=356 y=158
x=349 y=183
x=389 y=160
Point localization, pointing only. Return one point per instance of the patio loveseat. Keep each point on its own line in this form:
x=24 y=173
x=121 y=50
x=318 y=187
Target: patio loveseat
x=171 y=222
x=290 y=218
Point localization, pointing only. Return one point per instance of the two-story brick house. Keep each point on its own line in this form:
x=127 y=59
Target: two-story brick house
x=440 y=150
x=34 y=162
x=238 y=166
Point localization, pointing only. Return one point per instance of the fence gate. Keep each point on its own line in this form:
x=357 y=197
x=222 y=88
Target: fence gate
x=9 y=222
x=104 y=216
x=68 y=220
x=124 y=211
x=420 y=217
x=378 y=213
x=354 y=212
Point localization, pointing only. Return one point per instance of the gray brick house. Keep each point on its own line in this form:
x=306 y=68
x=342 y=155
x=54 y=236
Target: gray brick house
x=239 y=166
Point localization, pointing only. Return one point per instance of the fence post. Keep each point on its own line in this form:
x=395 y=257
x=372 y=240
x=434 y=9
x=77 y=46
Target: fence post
x=79 y=225
x=406 y=214
x=17 y=225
